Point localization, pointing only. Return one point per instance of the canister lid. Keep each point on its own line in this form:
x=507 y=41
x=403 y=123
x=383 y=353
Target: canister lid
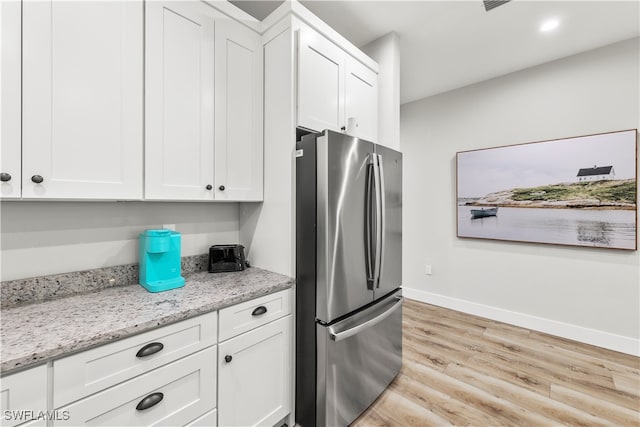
x=157 y=233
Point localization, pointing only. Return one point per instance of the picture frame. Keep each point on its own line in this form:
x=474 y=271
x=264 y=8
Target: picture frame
x=576 y=191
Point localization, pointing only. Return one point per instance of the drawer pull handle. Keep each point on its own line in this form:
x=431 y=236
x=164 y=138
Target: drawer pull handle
x=150 y=349
x=152 y=400
x=228 y=358
x=259 y=310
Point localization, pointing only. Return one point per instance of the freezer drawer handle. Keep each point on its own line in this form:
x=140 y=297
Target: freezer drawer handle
x=259 y=310
x=152 y=400
x=339 y=336
x=150 y=349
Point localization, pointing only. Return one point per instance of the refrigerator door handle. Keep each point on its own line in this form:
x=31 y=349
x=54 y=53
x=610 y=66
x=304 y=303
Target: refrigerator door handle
x=379 y=209
x=368 y=224
x=342 y=335
x=383 y=223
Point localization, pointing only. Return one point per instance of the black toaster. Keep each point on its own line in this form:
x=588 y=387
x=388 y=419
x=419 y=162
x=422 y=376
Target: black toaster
x=226 y=258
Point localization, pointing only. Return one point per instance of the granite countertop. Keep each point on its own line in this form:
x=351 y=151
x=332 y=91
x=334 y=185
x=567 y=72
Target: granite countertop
x=34 y=333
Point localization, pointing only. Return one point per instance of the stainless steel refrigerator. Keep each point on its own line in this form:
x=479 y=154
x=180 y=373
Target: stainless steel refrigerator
x=348 y=275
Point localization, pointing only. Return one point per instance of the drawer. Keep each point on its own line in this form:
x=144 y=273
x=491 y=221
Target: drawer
x=90 y=371
x=245 y=316
x=188 y=388
x=23 y=391
x=210 y=419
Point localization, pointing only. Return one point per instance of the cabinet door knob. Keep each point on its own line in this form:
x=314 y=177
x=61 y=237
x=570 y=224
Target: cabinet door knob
x=5 y=177
x=221 y=188
x=209 y=187
x=227 y=358
x=37 y=179
x=343 y=128
x=259 y=310
x=152 y=400
x=150 y=349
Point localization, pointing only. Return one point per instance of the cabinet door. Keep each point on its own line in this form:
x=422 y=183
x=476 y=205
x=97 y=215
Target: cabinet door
x=238 y=146
x=179 y=101
x=82 y=100
x=254 y=374
x=10 y=20
x=361 y=106
x=320 y=82
x=23 y=395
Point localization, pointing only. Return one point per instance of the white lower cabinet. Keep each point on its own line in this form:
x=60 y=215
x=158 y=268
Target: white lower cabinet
x=254 y=376
x=210 y=419
x=23 y=396
x=179 y=375
x=174 y=394
x=90 y=371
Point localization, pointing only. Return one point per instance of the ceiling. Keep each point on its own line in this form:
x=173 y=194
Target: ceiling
x=445 y=45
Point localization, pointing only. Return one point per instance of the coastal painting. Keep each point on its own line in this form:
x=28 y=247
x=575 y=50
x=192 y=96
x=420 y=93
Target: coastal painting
x=579 y=191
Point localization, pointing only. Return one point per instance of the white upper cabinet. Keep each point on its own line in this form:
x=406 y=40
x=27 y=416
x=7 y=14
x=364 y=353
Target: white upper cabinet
x=361 y=101
x=335 y=91
x=10 y=19
x=238 y=112
x=321 y=81
x=179 y=141
x=82 y=100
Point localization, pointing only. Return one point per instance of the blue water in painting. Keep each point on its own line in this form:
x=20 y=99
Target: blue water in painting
x=600 y=228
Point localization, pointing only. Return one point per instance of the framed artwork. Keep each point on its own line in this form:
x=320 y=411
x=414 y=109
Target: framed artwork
x=579 y=191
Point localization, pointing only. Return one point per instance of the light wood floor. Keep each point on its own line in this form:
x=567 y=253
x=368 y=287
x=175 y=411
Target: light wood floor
x=461 y=370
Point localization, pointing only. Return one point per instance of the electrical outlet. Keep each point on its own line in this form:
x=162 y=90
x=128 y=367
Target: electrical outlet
x=171 y=227
x=427 y=270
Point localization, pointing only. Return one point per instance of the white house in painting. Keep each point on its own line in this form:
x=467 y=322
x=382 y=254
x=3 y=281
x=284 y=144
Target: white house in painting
x=596 y=173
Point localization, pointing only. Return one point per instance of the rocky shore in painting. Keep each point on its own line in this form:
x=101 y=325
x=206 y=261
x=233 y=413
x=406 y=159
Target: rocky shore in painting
x=608 y=194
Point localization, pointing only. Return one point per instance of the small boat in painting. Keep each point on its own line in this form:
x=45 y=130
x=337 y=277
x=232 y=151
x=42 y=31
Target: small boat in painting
x=483 y=213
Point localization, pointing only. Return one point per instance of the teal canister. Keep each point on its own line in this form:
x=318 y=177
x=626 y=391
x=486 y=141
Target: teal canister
x=159 y=266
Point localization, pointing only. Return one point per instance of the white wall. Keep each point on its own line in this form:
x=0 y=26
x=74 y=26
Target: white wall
x=40 y=238
x=386 y=52
x=586 y=294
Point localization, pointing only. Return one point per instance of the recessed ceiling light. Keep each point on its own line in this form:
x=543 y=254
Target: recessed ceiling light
x=549 y=25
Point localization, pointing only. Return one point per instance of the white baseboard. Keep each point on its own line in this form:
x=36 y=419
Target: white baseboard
x=565 y=330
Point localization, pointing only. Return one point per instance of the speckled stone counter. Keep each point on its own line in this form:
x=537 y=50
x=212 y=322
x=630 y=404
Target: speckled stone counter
x=31 y=334
x=36 y=289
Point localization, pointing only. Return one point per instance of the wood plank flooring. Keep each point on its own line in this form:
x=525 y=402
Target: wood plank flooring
x=464 y=370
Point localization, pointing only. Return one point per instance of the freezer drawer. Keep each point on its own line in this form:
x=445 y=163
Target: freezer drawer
x=357 y=358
